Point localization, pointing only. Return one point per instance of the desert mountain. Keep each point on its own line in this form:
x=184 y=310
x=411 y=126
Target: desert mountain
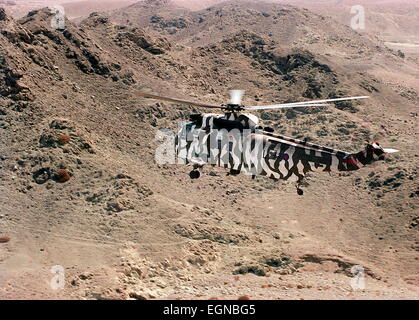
x=74 y=9
x=393 y=21
x=390 y=18
x=289 y=26
x=80 y=188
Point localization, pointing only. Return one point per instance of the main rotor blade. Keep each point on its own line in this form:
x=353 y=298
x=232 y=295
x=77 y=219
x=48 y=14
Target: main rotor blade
x=312 y=102
x=284 y=106
x=236 y=96
x=180 y=101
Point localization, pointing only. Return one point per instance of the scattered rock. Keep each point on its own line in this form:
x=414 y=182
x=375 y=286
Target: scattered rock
x=256 y=270
x=62 y=176
x=3 y=15
x=42 y=176
x=137 y=296
x=4 y=239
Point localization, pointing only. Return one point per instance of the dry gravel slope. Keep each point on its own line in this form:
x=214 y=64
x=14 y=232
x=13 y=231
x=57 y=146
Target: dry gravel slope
x=79 y=186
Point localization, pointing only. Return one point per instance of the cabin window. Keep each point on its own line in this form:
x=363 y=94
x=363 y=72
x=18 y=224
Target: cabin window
x=272 y=150
x=270 y=153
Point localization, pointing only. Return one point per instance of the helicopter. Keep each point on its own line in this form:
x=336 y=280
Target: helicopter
x=236 y=141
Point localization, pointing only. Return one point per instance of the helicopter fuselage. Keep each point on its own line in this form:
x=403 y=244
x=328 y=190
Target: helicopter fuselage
x=237 y=142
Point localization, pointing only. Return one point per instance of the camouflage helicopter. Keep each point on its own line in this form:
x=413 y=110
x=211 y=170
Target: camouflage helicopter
x=235 y=140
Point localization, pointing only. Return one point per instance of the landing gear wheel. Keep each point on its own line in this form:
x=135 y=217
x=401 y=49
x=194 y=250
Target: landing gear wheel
x=300 y=191
x=194 y=174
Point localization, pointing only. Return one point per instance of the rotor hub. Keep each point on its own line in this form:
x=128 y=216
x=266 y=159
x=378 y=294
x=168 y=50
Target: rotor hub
x=233 y=107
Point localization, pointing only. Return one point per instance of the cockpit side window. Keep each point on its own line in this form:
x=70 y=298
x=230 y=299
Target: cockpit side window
x=270 y=150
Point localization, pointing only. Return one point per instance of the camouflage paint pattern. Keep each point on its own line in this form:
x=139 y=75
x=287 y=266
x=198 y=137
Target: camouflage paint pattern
x=236 y=142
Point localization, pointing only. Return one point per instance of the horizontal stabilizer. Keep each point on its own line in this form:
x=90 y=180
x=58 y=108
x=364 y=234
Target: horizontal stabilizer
x=391 y=150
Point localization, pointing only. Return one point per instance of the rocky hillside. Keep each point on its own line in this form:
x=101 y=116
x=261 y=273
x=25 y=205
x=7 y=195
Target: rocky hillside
x=80 y=188
x=290 y=27
x=386 y=19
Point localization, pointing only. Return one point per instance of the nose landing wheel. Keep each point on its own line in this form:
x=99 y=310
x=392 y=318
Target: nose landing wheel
x=195 y=174
x=300 y=191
